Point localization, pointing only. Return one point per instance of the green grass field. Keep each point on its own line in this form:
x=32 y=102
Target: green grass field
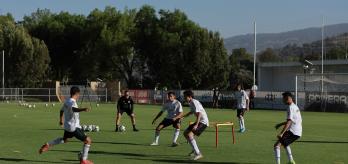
x=23 y=131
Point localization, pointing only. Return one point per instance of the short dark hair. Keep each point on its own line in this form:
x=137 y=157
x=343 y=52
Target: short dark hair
x=188 y=93
x=171 y=93
x=288 y=94
x=125 y=91
x=74 y=90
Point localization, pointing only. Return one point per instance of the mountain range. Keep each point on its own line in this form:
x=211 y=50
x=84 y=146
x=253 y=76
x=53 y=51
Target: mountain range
x=279 y=40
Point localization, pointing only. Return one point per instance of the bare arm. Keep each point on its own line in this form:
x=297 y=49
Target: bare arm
x=198 y=118
x=178 y=116
x=80 y=109
x=186 y=115
x=158 y=115
x=287 y=125
x=61 y=114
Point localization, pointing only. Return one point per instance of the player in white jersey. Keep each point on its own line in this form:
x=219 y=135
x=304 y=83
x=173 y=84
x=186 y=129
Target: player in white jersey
x=292 y=128
x=200 y=124
x=242 y=105
x=174 y=113
x=72 y=127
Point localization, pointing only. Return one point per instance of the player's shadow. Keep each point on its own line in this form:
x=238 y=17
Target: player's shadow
x=105 y=153
x=323 y=142
x=114 y=143
x=25 y=160
x=190 y=161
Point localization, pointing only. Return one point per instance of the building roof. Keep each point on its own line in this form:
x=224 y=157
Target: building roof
x=315 y=62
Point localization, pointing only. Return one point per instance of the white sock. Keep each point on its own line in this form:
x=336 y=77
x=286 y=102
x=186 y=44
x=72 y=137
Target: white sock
x=56 y=141
x=194 y=146
x=277 y=154
x=288 y=151
x=176 y=135
x=243 y=122
x=157 y=135
x=85 y=151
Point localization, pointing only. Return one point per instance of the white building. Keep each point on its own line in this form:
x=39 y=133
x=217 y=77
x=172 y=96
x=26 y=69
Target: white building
x=280 y=76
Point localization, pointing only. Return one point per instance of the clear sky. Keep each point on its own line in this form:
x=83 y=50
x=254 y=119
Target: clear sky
x=229 y=17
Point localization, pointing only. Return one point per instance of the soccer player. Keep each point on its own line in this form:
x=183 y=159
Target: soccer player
x=242 y=105
x=198 y=126
x=125 y=104
x=174 y=114
x=292 y=128
x=72 y=127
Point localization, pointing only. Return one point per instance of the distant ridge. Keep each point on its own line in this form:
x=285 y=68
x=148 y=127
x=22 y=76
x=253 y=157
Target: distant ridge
x=279 y=40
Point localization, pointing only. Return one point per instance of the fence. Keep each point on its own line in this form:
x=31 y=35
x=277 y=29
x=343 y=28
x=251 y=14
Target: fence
x=50 y=94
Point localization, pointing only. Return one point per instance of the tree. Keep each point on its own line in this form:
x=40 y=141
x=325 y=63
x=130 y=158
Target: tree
x=241 y=68
x=26 y=57
x=268 y=55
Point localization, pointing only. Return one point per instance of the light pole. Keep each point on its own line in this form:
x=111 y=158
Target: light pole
x=3 y=74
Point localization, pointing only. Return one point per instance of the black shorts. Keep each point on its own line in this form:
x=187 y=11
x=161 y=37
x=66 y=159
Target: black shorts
x=128 y=111
x=240 y=112
x=288 y=138
x=78 y=133
x=200 y=129
x=167 y=122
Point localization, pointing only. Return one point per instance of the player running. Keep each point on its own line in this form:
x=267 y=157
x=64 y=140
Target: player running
x=292 y=128
x=174 y=113
x=198 y=126
x=125 y=104
x=242 y=105
x=72 y=127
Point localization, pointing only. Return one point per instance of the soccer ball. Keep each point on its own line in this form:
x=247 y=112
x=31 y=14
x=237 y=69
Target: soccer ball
x=89 y=128
x=29 y=106
x=46 y=105
x=34 y=106
x=97 y=105
x=84 y=127
x=96 y=129
x=122 y=128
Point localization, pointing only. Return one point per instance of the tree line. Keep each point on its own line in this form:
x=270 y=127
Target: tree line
x=142 y=47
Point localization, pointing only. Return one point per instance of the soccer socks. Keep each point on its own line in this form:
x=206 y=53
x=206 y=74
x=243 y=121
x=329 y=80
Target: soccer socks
x=85 y=151
x=56 y=141
x=194 y=146
x=277 y=154
x=157 y=135
x=241 y=122
x=176 y=135
x=288 y=151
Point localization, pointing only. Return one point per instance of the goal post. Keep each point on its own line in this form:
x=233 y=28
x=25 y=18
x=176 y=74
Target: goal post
x=322 y=92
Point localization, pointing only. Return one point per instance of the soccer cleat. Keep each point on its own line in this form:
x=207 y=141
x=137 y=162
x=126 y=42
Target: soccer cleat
x=292 y=162
x=242 y=130
x=86 y=162
x=197 y=157
x=44 y=148
x=135 y=130
x=154 y=144
x=191 y=154
x=116 y=129
x=175 y=144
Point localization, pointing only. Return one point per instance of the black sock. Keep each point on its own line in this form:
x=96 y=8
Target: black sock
x=116 y=127
x=134 y=127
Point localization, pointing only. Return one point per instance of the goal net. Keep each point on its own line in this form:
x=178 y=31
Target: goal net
x=322 y=92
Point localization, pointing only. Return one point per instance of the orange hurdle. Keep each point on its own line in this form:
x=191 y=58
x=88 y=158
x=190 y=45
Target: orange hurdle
x=217 y=124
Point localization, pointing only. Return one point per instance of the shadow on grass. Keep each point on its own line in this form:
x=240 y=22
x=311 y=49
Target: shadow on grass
x=105 y=153
x=25 y=160
x=190 y=161
x=328 y=142
x=115 y=143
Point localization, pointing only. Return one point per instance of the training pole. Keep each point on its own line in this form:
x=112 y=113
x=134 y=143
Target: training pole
x=3 y=74
x=254 y=82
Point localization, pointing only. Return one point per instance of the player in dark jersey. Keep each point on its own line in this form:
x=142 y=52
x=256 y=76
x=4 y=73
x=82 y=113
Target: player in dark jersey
x=125 y=104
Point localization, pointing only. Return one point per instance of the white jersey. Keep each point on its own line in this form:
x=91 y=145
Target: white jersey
x=196 y=107
x=173 y=109
x=242 y=98
x=294 y=115
x=71 y=118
